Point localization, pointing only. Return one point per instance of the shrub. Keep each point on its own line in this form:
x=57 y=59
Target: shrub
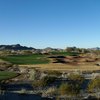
x=76 y=78
x=54 y=73
x=94 y=85
x=45 y=81
x=69 y=89
x=48 y=80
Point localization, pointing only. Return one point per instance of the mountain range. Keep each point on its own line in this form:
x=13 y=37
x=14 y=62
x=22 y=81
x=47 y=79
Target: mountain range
x=15 y=47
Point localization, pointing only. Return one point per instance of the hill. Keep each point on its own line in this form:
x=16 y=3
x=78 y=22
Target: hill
x=15 y=47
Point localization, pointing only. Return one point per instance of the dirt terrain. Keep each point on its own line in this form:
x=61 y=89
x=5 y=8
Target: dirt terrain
x=65 y=67
x=69 y=63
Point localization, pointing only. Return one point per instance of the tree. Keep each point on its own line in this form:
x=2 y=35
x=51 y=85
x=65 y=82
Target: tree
x=71 y=49
x=26 y=52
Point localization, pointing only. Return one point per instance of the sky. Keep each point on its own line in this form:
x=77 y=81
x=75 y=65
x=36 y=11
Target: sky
x=50 y=23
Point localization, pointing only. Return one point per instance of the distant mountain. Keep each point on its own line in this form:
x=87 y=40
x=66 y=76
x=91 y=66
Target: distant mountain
x=96 y=48
x=15 y=47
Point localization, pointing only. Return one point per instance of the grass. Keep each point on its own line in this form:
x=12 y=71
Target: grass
x=27 y=59
x=65 y=67
x=4 y=75
x=33 y=58
x=64 y=53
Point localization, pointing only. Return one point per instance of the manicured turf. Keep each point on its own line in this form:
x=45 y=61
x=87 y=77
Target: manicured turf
x=34 y=58
x=4 y=75
x=64 y=53
x=27 y=59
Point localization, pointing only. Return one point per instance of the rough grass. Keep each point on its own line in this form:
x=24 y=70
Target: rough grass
x=4 y=75
x=64 y=67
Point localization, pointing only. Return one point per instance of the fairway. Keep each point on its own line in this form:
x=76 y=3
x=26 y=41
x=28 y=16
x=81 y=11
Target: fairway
x=4 y=75
x=64 y=53
x=27 y=59
x=34 y=58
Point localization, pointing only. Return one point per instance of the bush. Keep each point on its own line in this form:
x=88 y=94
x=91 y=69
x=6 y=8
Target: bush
x=44 y=81
x=69 y=89
x=94 y=85
x=48 y=80
x=76 y=78
x=54 y=73
x=51 y=91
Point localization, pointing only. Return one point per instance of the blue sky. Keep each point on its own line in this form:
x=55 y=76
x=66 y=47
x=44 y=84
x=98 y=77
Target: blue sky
x=50 y=23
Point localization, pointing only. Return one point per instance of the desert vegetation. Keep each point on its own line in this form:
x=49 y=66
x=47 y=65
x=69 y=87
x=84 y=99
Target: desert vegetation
x=58 y=74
